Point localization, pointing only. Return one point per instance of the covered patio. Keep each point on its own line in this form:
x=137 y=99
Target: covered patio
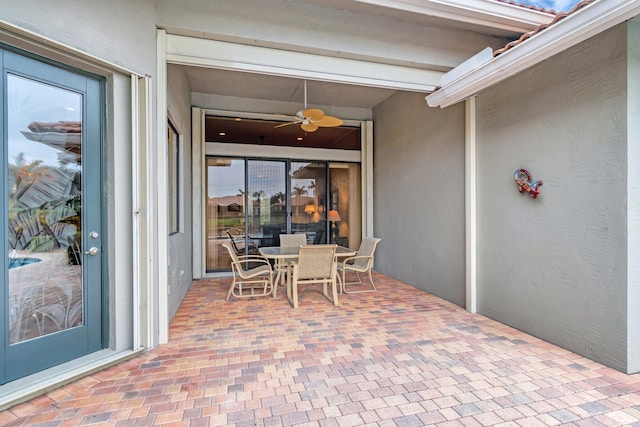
x=396 y=357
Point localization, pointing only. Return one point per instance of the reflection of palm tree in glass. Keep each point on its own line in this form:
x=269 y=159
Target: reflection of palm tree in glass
x=277 y=198
x=22 y=170
x=257 y=196
x=299 y=191
x=312 y=186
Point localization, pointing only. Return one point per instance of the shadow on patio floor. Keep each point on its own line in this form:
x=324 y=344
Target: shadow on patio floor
x=396 y=357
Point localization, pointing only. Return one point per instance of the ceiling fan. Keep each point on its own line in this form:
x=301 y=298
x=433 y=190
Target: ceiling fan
x=310 y=119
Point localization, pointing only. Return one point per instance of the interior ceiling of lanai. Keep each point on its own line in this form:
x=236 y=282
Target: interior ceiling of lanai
x=424 y=34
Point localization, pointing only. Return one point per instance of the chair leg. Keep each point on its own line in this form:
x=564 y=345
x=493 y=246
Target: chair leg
x=334 y=291
x=359 y=282
x=373 y=285
x=275 y=284
x=233 y=283
x=294 y=293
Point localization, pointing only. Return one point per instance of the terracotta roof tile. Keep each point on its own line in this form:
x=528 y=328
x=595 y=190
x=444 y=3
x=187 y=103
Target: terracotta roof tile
x=556 y=19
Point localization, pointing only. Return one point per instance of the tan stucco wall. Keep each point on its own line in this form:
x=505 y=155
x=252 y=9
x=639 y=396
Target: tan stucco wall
x=555 y=267
x=419 y=194
x=180 y=248
x=119 y=31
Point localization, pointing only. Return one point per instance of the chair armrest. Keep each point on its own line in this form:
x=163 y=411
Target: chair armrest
x=252 y=260
x=353 y=258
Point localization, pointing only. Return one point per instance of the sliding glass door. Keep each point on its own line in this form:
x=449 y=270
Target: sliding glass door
x=250 y=202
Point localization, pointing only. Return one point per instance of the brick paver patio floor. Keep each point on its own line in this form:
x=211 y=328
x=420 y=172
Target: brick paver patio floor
x=397 y=357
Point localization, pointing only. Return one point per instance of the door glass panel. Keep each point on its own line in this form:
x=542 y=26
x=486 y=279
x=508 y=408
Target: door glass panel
x=44 y=203
x=308 y=200
x=345 y=204
x=225 y=209
x=267 y=205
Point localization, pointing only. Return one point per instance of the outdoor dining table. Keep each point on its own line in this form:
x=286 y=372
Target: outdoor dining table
x=282 y=255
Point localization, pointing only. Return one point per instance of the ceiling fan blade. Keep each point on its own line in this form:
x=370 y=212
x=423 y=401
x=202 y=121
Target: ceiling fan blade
x=309 y=127
x=287 y=124
x=329 y=122
x=313 y=114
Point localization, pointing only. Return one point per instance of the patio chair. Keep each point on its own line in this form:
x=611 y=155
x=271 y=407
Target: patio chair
x=293 y=240
x=240 y=242
x=252 y=275
x=316 y=264
x=360 y=263
x=288 y=241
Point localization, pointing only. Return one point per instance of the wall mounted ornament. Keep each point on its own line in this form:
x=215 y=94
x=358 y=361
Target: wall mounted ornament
x=524 y=183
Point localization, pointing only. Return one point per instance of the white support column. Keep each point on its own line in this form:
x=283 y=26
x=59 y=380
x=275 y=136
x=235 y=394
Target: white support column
x=198 y=190
x=143 y=260
x=161 y=168
x=366 y=165
x=470 y=202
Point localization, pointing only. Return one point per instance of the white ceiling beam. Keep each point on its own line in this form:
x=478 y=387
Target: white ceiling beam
x=192 y=51
x=489 y=13
x=583 y=24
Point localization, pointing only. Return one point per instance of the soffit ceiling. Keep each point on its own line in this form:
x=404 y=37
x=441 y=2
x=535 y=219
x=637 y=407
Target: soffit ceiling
x=283 y=89
x=302 y=23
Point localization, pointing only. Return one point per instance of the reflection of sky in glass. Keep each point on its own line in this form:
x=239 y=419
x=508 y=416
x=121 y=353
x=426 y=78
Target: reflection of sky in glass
x=226 y=180
x=266 y=178
x=29 y=101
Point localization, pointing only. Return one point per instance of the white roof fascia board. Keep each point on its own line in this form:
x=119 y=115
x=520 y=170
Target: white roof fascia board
x=489 y=13
x=193 y=51
x=482 y=57
x=583 y=24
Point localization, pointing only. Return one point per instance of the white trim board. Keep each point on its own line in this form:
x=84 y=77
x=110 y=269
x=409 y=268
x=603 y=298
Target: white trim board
x=492 y=14
x=272 y=151
x=583 y=24
x=159 y=174
x=193 y=51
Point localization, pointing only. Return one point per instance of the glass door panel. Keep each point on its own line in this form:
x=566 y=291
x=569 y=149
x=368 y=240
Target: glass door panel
x=267 y=204
x=225 y=209
x=44 y=233
x=345 y=204
x=308 y=200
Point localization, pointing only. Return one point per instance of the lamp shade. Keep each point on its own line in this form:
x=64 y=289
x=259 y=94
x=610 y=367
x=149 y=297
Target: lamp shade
x=309 y=209
x=334 y=216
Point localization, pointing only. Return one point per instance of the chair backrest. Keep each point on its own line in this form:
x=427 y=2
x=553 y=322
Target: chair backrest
x=233 y=244
x=293 y=240
x=367 y=248
x=317 y=262
x=231 y=249
x=235 y=233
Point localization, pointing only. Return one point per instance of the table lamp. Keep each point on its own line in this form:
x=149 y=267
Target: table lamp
x=334 y=216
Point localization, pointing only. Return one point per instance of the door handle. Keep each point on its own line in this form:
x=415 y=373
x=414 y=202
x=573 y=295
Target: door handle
x=92 y=251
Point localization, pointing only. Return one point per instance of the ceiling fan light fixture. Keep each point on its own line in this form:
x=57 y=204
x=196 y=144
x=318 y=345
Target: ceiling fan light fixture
x=309 y=127
x=310 y=119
